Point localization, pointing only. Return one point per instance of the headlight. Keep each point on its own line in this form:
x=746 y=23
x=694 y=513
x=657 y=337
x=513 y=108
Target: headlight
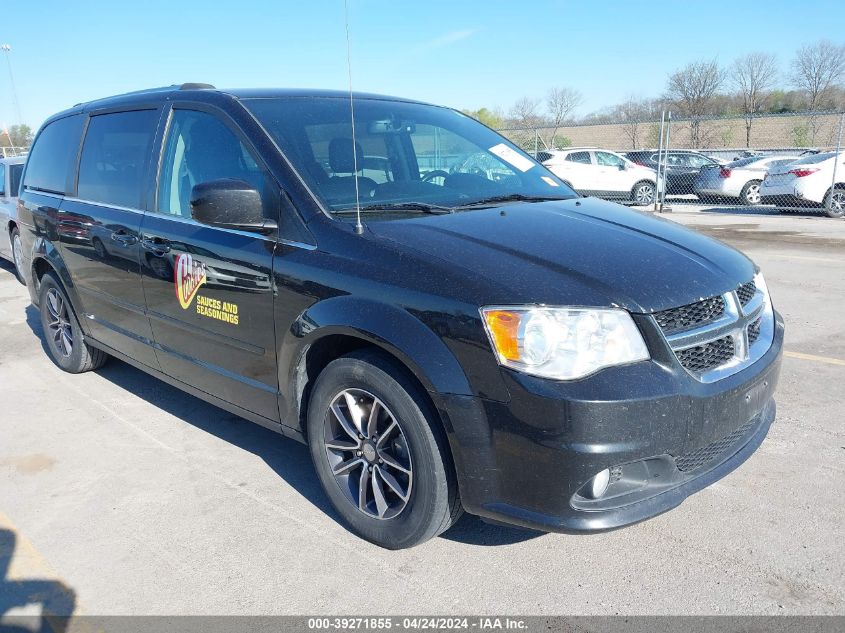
x=562 y=343
x=762 y=287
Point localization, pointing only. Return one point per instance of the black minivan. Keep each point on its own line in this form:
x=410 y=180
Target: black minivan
x=445 y=323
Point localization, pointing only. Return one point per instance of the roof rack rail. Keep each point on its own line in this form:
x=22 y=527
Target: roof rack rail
x=196 y=86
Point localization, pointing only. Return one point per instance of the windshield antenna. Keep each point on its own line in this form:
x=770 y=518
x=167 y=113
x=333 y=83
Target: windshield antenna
x=359 y=228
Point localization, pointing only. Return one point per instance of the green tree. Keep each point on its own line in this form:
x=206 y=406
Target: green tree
x=20 y=135
x=488 y=117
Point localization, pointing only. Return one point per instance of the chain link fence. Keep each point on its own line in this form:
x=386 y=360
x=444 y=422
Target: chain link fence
x=786 y=162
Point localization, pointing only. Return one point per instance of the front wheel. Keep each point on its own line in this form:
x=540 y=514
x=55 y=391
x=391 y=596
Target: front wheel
x=834 y=203
x=643 y=193
x=750 y=194
x=380 y=456
x=65 y=341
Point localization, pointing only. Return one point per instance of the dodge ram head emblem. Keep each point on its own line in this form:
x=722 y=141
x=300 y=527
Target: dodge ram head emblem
x=188 y=276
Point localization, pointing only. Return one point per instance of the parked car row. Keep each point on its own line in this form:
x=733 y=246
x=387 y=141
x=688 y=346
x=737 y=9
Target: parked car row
x=788 y=180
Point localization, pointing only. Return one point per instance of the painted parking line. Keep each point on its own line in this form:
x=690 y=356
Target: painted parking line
x=817 y=359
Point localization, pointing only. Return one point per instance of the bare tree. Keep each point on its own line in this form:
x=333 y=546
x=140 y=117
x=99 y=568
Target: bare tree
x=753 y=75
x=526 y=112
x=560 y=103
x=691 y=89
x=633 y=114
x=816 y=70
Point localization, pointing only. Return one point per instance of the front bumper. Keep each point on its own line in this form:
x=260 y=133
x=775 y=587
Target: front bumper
x=663 y=434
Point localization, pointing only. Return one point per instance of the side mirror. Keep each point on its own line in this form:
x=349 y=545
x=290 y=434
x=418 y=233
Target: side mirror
x=232 y=204
x=623 y=166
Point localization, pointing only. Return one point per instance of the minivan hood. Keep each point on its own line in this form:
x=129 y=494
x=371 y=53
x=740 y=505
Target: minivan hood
x=574 y=252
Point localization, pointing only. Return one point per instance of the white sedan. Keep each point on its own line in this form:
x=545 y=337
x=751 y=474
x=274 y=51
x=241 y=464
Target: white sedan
x=738 y=179
x=808 y=183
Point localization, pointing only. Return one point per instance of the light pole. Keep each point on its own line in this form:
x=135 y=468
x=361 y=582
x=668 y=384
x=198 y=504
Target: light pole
x=6 y=48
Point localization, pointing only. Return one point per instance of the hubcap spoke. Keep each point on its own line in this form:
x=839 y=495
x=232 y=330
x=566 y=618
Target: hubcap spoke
x=390 y=461
x=340 y=445
x=373 y=420
x=355 y=410
x=363 y=487
x=378 y=494
x=390 y=480
x=345 y=424
x=344 y=467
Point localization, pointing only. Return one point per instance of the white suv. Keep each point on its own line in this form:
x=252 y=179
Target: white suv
x=10 y=241
x=808 y=182
x=602 y=173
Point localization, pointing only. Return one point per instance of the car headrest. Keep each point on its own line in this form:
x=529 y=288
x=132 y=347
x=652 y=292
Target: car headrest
x=342 y=155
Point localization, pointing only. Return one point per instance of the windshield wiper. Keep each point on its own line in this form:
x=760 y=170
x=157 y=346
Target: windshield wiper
x=424 y=207
x=511 y=197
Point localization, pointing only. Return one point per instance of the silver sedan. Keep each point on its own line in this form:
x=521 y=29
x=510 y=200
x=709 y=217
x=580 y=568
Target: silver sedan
x=738 y=179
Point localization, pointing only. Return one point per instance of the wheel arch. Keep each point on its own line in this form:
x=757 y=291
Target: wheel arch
x=339 y=326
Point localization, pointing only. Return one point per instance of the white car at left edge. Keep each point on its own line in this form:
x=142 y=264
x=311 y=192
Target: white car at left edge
x=11 y=170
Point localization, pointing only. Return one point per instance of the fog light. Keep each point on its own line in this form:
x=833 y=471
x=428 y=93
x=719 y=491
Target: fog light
x=597 y=486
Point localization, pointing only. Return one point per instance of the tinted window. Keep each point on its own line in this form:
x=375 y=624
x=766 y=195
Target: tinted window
x=15 y=173
x=53 y=155
x=579 y=157
x=694 y=160
x=201 y=148
x=115 y=152
x=2 y=179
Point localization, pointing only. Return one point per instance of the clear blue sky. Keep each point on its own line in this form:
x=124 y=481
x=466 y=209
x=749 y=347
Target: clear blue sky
x=464 y=54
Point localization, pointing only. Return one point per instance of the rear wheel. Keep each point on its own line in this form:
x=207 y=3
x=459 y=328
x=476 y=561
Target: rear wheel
x=63 y=335
x=643 y=192
x=834 y=202
x=750 y=194
x=17 y=254
x=382 y=460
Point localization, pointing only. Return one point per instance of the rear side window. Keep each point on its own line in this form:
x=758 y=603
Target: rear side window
x=114 y=155
x=53 y=155
x=2 y=179
x=579 y=157
x=15 y=173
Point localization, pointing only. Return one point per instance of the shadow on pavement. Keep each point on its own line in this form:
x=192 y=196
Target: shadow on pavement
x=44 y=604
x=289 y=459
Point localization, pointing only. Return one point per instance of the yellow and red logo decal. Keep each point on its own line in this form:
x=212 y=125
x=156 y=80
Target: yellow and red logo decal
x=188 y=277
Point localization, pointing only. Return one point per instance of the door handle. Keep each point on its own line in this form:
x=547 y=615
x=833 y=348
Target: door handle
x=156 y=245
x=123 y=238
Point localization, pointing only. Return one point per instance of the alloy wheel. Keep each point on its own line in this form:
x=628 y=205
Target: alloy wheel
x=368 y=454
x=61 y=332
x=644 y=194
x=837 y=200
x=752 y=195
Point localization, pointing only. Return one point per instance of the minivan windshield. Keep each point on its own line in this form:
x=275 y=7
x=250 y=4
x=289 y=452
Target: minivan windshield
x=406 y=157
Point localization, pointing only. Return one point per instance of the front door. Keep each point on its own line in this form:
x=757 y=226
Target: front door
x=99 y=230
x=208 y=290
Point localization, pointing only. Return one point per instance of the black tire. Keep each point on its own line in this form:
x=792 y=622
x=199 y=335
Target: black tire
x=17 y=254
x=834 y=202
x=750 y=194
x=432 y=504
x=79 y=356
x=638 y=193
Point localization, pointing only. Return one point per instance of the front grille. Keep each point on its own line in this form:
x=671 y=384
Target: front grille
x=707 y=356
x=692 y=315
x=754 y=330
x=746 y=292
x=706 y=454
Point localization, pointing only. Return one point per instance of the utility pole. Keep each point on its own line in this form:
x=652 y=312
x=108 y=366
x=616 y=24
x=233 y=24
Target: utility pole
x=6 y=48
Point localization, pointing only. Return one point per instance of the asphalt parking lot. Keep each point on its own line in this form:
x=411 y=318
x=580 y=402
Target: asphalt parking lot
x=122 y=495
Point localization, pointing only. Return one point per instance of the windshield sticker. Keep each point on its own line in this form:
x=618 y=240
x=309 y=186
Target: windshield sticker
x=216 y=309
x=549 y=181
x=511 y=156
x=188 y=276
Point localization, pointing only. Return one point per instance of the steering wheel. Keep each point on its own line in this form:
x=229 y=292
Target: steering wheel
x=437 y=173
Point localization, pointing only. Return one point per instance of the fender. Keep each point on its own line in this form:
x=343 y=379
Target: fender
x=395 y=330
x=44 y=250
